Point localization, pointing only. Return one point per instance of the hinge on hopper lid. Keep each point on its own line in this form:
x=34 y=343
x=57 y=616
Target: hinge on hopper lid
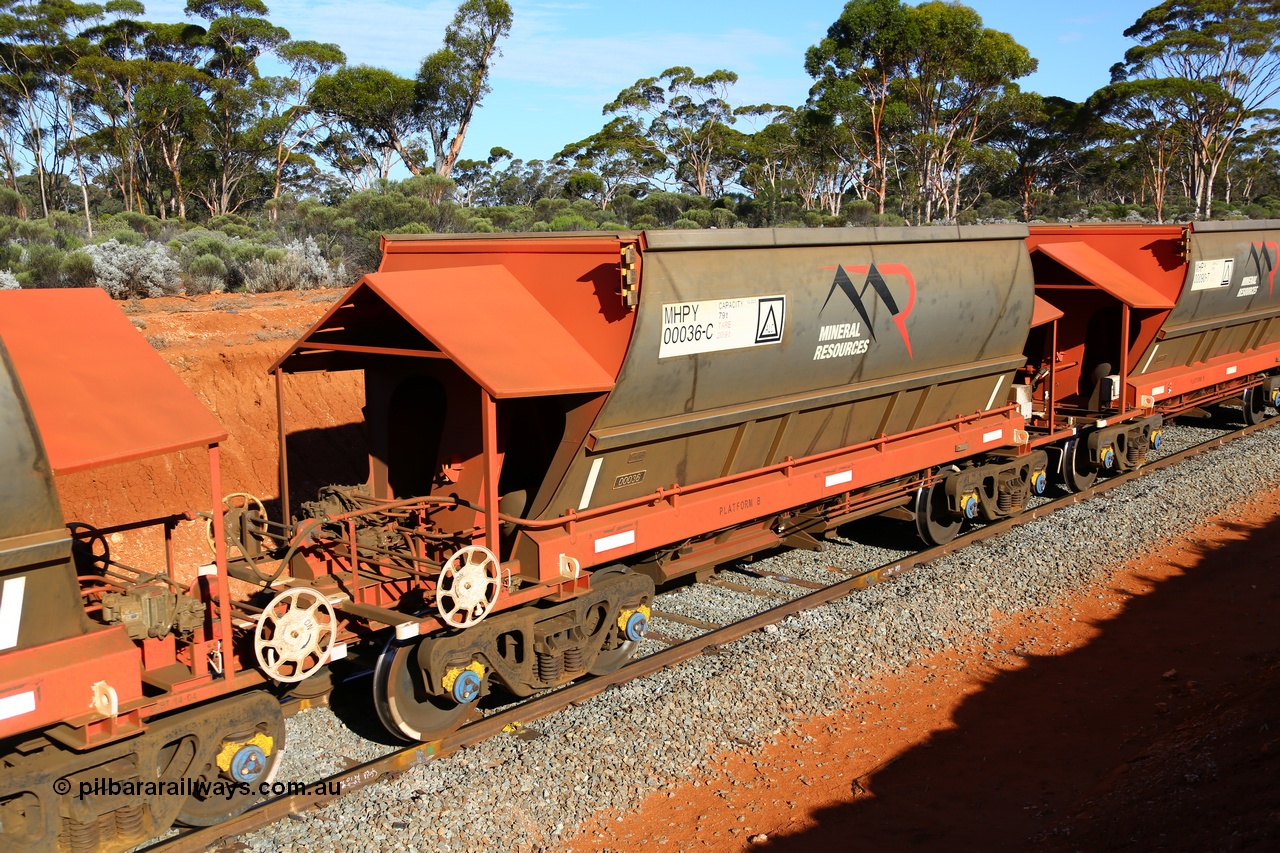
x=1186 y=245
x=630 y=291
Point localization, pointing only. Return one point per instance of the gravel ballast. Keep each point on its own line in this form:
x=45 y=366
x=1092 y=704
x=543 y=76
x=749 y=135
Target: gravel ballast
x=528 y=792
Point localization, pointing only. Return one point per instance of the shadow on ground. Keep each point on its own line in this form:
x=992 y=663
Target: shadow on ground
x=1106 y=747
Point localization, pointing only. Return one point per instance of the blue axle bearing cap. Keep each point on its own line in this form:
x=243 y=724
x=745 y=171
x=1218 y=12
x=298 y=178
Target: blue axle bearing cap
x=1107 y=458
x=637 y=625
x=249 y=762
x=466 y=686
x=969 y=506
x=1039 y=482
x=1157 y=439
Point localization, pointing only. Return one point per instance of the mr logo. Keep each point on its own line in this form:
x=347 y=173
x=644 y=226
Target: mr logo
x=769 y=316
x=875 y=282
x=1263 y=256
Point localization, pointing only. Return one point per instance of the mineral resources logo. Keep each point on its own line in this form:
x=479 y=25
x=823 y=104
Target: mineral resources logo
x=853 y=342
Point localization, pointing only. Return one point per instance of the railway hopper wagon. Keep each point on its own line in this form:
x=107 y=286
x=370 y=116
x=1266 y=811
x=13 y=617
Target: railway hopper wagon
x=1155 y=321
x=556 y=423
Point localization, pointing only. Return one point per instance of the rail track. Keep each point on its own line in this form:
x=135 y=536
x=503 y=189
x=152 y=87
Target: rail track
x=677 y=651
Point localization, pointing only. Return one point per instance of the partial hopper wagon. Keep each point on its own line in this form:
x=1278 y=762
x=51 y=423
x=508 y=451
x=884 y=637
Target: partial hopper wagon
x=1156 y=321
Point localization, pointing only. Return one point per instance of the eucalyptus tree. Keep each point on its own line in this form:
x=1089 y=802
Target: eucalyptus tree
x=39 y=43
x=957 y=73
x=1150 y=114
x=865 y=52
x=292 y=124
x=619 y=156
x=681 y=117
x=1040 y=135
x=1222 y=59
x=453 y=80
x=375 y=115
x=238 y=33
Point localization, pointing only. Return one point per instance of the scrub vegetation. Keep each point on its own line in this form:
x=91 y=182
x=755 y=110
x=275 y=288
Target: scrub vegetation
x=154 y=158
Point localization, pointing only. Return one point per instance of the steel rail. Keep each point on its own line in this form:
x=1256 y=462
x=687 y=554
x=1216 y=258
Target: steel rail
x=394 y=763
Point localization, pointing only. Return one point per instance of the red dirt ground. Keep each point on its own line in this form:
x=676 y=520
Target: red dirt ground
x=1142 y=715
x=222 y=347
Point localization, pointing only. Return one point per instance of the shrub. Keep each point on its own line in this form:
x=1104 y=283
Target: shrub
x=44 y=265
x=12 y=203
x=139 y=222
x=127 y=237
x=77 y=270
x=210 y=266
x=685 y=224
x=722 y=218
x=298 y=266
x=571 y=222
x=123 y=270
x=859 y=211
x=8 y=281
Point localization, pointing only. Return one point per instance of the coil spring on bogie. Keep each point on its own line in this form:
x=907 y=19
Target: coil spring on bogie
x=77 y=836
x=573 y=660
x=129 y=820
x=549 y=667
x=106 y=826
x=1136 y=452
x=1009 y=491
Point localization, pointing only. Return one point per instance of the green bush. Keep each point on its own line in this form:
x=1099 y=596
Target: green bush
x=35 y=231
x=77 y=270
x=127 y=237
x=859 y=211
x=12 y=202
x=44 y=264
x=571 y=222
x=701 y=217
x=243 y=253
x=723 y=218
x=142 y=223
x=209 y=266
x=685 y=224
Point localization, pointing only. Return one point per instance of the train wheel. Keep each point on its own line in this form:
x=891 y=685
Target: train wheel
x=1255 y=406
x=401 y=700
x=614 y=659
x=935 y=523
x=1077 y=474
x=239 y=758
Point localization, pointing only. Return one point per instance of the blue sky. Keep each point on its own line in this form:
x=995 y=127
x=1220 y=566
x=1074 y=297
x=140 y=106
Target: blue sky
x=565 y=60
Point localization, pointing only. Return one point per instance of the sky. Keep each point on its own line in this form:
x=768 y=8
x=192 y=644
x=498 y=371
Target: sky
x=564 y=60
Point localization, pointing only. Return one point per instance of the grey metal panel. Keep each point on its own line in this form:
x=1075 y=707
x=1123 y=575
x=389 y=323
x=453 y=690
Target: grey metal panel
x=973 y=302
x=607 y=439
x=687 y=418
x=1236 y=225
x=678 y=240
x=28 y=499
x=1251 y=246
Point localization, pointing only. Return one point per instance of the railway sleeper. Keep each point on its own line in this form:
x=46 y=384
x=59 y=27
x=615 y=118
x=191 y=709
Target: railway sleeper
x=534 y=648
